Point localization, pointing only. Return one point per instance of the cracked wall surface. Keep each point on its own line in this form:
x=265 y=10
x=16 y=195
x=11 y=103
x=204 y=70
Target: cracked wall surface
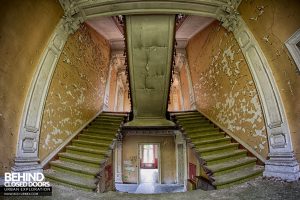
x=224 y=88
x=25 y=29
x=272 y=22
x=77 y=89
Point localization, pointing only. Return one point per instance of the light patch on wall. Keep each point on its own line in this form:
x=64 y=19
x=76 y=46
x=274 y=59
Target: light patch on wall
x=224 y=88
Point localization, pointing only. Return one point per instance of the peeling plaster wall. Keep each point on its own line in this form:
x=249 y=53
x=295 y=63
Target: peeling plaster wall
x=25 y=28
x=224 y=88
x=167 y=157
x=272 y=22
x=77 y=89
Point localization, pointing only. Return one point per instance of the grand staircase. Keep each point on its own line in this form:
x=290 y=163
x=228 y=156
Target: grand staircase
x=83 y=163
x=222 y=162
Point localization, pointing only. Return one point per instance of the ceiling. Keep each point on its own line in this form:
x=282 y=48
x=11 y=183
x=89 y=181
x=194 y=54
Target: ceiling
x=109 y=29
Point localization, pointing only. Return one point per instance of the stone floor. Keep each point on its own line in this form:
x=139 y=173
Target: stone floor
x=149 y=175
x=257 y=189
x=149 y=188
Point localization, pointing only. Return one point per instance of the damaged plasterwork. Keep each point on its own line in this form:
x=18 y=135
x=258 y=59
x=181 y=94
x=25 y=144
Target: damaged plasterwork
x=77 y=89
x=224 y=88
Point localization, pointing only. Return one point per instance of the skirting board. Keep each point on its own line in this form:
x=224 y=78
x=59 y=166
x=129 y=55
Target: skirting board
x=230 y=133
x=62 y=145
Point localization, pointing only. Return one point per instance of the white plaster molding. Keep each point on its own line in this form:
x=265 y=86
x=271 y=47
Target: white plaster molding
x=107 y=87
x=293 y=45
x=184 y=62
x=179 y=139
x=281 y=162
x=118 y=162
x=28 y=141
x=94 y=8
x=67 y=141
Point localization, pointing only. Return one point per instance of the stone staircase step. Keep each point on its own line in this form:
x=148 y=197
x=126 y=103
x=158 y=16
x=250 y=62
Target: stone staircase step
x=82 y=159
x=192 y=121
x=203 y=143
x=110 y=117
x=105 y=123
x=192 y=130
x=227 y=156
x=207 y=135
x=236 y=177
x=196 y=126
x=190 y=117
x=89 y=143
x=87 y=137
x=99 y=132
x=201 y=131
x=222 y=162
x=103 y=128
x=86 y=151
x=230 y=166
x=76 y=169
x=217 y=149
x=71 y=180
x=92 y=147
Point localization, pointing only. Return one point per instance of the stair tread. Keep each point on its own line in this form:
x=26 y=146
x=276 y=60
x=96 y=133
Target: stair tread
x=108 y=127
x=195 y=126
x=99 y=131
x=88 y=150
x=223 y=155
x=237 y=175
x=106 y=123
x=200 y=130
x=206 y=134
x=75 y=167
x=71 y=179
x=188 y=119
x=83 y=158
x=110 y=117
x=82 y=141
x=96 y=137
x=193 y=121
x=216 y=147
x=207 y=141
x=231 y=164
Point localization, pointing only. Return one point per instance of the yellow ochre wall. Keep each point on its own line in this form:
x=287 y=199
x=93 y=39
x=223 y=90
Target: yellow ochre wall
x=167 y=157
x=272 y=23
x=25 y=28
x=77 y=89
x=223 y=86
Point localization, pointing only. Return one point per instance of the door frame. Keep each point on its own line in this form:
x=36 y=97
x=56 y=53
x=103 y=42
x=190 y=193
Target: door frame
x=158 y=157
